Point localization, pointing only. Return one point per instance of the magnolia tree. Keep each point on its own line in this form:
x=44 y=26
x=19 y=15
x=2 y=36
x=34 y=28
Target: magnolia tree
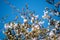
x=32 y=27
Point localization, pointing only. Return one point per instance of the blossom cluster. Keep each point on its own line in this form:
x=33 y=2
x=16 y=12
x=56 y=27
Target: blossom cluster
x=32 y=27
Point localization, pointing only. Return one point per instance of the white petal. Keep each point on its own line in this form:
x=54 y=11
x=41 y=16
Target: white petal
x=11 y=24
x=34 y=38
x=25 y=20
x=32 y=18
x=6 y=26
x=41 y=22
x=51 y=34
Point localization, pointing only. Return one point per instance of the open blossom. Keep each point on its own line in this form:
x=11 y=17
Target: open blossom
x=46 y=16
x=41 y=22
x=45 y=12
x=51 y=34
x=36 y=27
x=32 y=19
x=7 y=26
x=57 y=24
x=25 y=20
x=34 y=38
x=15 y=25
x=36 y=17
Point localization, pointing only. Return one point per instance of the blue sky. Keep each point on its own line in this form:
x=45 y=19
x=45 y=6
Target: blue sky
x=34 y=5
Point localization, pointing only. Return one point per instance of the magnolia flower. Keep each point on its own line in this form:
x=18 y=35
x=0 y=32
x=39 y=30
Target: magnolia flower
x=36 y=17
x=32 y=19
x=7 y=26
x=45 y=12
x=54 y=29
x=16 y=32
x=34 y=38
x=51 y=34
x=41 y=22
x=57 y=24
x=27 y=30
x=11 y=24
x=15 y=25
x=25 y=20
x=36 y=26
x=46 y=16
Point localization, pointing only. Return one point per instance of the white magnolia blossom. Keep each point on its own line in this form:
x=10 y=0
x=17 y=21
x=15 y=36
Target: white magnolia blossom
x=45 y=16
x=27 y=29
x=54 y=29
x=35 y=26
x=45 y=12
x=22 y=24
x=16 y=32
x=32 y=19
x=25 y=20
x=56 y=24
x=15 y=25
x=32 y=28
x=41 y=22
x=10 y=25
x=36 y=17
x=34 y=38
x=51 y=34
x=7 y=26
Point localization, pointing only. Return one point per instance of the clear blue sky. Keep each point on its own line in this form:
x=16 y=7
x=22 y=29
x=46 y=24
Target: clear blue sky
x=35 y=5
